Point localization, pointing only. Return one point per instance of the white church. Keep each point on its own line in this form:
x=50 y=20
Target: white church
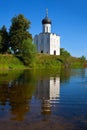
x=47 y=42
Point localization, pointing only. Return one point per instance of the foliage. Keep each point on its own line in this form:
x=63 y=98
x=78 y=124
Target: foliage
x=64 y=52
x=0 y=43
x=4 y=38
x=83 y=58
x=10 y=62
x=28 y=51
x=44 y=61
x=41 y=61
x=19 y=31
x=0 y=38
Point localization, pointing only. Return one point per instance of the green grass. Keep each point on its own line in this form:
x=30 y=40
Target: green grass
x=50 y=61
x=10 y=62
x=42 y=61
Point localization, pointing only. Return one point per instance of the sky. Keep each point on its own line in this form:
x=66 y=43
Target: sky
x=69 y=20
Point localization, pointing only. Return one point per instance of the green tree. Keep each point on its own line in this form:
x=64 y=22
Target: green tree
x=64 y=52
x=0 y=43
x=19 y=32
x=28 y=50
x=4 y=39
x=0 y=38
x=83 y=58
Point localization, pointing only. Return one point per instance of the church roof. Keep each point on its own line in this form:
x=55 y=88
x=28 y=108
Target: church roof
x=46 y=20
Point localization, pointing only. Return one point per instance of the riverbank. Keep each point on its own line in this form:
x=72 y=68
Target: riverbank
x=42 y=61
x=8 y=61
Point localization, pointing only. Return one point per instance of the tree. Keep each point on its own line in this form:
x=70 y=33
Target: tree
x=4 y=39
x=0 y=38
x=0 y=43
x=64 y=52
x=19 y=32
x=28 y=51
x=83 y=58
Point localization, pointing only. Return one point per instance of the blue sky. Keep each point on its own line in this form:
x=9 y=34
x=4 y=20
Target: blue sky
x=69 y=20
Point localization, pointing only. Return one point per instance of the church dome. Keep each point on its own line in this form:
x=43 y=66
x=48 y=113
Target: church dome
x=46 y=20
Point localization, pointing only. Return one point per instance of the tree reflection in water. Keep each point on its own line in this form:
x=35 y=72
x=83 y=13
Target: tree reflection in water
x=18 y=92
x=17 y=89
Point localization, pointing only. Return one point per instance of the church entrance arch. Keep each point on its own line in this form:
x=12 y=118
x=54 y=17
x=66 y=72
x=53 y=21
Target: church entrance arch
x=41 y=51
x=54 y=52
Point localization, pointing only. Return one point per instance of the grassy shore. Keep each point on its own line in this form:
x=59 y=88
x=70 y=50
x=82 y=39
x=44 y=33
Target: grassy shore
x=10 y=62
x=51 y=61
x=42 y=61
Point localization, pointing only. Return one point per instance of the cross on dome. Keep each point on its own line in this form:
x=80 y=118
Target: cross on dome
x=46 y=20
x=46 y=12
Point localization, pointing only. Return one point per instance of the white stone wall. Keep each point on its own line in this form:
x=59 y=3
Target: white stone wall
x=48 y=43
x=42 y=42
x=54 y=44
x=46 y=28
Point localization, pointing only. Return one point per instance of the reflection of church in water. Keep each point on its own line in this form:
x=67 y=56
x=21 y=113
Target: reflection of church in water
x=48 y=90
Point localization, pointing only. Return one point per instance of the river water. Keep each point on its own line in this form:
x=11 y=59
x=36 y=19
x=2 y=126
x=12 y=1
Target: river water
x=32 y=96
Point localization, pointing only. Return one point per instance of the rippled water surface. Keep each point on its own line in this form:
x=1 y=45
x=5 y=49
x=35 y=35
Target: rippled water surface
x=32 y=96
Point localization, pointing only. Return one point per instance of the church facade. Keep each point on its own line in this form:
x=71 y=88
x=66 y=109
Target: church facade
x=47 y=42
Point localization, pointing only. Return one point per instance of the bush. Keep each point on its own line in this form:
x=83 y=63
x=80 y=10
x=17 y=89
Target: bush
x=28 y=51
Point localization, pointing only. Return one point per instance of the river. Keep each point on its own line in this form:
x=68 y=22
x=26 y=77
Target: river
x=43 y=99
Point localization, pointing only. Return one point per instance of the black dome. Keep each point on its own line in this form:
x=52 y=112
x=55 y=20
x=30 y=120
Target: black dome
x=46 y=20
